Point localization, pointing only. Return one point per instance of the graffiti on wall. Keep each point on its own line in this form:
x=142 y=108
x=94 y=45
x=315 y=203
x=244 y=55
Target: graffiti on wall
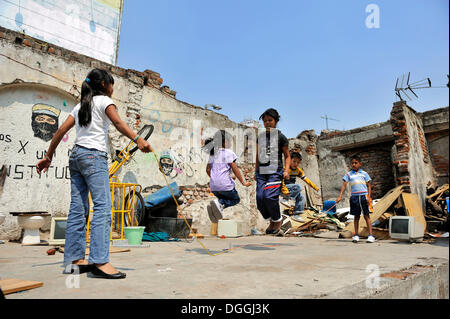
x=44 y=121
x=173 y=165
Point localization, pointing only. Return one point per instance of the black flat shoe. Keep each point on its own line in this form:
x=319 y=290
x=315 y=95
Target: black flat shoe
x=269 y=231
x=100 y=274
x=78 y=269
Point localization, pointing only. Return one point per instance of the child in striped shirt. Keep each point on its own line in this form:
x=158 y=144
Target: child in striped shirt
x=361 y=198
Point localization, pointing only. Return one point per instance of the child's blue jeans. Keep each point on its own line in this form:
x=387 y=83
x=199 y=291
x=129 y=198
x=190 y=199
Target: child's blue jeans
x=227 y=198
x=88 y=173
x=295 y=192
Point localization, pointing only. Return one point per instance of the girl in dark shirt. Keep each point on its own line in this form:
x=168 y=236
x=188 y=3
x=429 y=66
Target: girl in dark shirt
x=271 y=146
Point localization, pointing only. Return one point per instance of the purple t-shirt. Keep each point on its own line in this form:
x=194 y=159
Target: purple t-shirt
x=220 y=170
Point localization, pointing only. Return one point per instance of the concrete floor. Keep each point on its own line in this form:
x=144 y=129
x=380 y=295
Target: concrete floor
x=256 y=267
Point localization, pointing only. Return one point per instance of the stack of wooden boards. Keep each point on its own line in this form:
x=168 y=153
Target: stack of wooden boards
x=436 y=207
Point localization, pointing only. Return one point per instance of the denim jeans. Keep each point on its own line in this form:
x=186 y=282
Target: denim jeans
x=295 y=192
x=227 y=198
x=88 y=174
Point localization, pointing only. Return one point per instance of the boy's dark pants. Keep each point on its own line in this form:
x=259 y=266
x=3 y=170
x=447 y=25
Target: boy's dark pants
x=268 y=189
x=227 y=198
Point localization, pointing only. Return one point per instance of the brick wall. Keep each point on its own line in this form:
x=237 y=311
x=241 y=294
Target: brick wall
x=401 y=158
x=377 y=163
x=148 y=77
x=439 y=152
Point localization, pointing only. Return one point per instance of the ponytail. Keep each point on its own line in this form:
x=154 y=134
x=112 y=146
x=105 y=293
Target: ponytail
x=91 y=87
x=85 y=112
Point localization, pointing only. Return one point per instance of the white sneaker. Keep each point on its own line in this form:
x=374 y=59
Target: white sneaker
x=355 y=238
x=298 y=218
x=217 y=209
x=285 y=202
x=370 y=239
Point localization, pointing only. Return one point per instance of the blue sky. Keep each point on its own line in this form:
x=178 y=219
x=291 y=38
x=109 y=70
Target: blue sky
x=307 y=59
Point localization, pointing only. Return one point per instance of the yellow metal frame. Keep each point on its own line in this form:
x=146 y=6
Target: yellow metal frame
x=121 y=208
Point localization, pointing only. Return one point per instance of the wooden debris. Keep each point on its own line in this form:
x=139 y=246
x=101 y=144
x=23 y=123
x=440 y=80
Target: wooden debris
x=439 y=191
x=197 y=235
x=414 y=208
x=10 y=285
x=436 y=214
x=378 y=209
x=112 y=250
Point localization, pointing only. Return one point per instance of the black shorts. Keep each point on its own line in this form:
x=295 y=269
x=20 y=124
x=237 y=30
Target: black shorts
x=360 y=204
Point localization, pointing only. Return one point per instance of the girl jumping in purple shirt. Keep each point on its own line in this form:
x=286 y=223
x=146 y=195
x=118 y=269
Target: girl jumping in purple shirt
x=221 y=162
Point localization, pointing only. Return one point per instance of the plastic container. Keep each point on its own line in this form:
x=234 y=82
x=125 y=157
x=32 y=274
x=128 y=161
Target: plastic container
x=134 y=234
x=230 y=228
x=175 y=227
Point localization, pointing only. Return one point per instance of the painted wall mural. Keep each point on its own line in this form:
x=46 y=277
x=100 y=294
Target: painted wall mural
x=31 y=115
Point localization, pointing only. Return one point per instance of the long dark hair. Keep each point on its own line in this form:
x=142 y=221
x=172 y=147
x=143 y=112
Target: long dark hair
x=272 y=113
x=214 y=143
x=91 y=87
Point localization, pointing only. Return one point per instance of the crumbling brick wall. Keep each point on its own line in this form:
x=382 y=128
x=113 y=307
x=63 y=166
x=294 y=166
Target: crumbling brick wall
x=413 y=167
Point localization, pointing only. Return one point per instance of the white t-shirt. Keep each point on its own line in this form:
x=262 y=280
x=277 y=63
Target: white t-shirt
x=95 y=135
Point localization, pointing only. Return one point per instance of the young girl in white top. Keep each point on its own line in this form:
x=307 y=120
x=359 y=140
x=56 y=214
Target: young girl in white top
x=89 y=174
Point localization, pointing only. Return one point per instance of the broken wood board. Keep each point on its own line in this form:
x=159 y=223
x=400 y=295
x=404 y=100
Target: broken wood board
x=378 y=209
x=327 y=234
x=11 y=285
x=196 y=235
x=378 y=233
x=111 y=250
x=313 y=197
x=439 y=191
x=414 y=208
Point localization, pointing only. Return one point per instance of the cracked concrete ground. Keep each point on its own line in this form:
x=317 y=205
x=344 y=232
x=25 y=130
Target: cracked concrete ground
x=257 y=267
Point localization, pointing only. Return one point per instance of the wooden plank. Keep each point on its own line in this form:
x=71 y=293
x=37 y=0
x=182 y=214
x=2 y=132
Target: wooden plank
x=379 y=233
x=11 y=285
x=314 y=198
x=378 y=209
x=439 y=191
x=112 y=250
x=414 y=208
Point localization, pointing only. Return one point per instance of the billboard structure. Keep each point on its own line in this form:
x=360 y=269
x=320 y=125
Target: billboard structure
x=89 y=27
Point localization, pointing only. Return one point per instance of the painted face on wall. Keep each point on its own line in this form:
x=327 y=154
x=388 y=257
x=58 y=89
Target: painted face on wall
x=166 y=162
x=44 y=121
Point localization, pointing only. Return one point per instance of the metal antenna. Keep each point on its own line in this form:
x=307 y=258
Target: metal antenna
x=405 y=87
x=326 y=118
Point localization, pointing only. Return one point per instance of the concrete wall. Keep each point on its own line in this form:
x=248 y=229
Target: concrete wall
x=305 y=142
x=36 y=73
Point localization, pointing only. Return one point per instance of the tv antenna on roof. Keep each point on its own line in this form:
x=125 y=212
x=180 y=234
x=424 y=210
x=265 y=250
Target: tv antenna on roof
x=403 y=88
x=328 y=118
